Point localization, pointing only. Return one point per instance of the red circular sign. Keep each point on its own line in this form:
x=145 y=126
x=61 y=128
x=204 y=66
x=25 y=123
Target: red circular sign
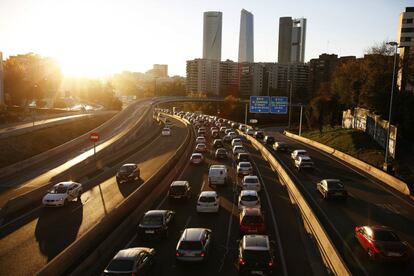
x=94 y=137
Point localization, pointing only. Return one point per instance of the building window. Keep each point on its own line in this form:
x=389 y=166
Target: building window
x=407 y=30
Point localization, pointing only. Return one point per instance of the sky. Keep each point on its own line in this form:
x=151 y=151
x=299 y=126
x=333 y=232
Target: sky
x=102 y=37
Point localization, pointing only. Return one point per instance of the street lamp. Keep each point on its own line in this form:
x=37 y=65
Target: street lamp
x=33 y=104
x=290 y=101
x=386 y=166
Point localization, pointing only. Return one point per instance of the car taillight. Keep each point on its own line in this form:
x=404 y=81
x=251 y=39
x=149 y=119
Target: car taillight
x=270 y=263
x=242 y=262
x=203 y=254
x=177 y=253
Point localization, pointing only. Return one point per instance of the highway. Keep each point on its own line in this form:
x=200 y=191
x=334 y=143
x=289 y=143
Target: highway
x=295 y=252
x=45 y=232
x=370 y=203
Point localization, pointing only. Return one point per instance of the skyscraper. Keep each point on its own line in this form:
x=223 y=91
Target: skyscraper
x=212 y=35
x=405 y=80
x=292 y=38
x=246 y=46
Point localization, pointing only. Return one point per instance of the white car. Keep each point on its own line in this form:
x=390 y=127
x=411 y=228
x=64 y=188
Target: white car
x=238 y=149
x=236 y=142
x=249 y=131
x=208 y=202
x=251 y=182
x=248 y=198
x=196 y=158
x=244 y=168
x=200 y=139
x=303 y=161
x=201 y=147
x=298 y=152
x=232 y=135
x=166 y=131
x=62 y=193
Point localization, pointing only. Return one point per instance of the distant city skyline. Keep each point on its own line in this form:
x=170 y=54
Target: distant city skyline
x=141 y=33
x=246 y=37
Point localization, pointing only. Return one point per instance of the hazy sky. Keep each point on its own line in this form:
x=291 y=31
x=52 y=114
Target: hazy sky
x=96 y=37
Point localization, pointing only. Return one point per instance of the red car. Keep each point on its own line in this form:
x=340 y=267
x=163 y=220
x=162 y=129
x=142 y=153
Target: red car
x=381 y=243
x=252 y=221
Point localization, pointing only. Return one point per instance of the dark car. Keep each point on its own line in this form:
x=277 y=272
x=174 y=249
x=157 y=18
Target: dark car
x=280 y=146
x=251 y=221
x=156 y=223
x=218 y=143
x=179 y=190
x=259 y=135
x=269 y=140
x=243 y=157
x=381 y=243
x=221 y=153
x=255 y=255
x=331 y=188
x=132 y=261
x=128 y=172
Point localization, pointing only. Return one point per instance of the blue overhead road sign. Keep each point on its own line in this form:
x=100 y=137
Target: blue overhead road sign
x=279 y=105
x=259 y=104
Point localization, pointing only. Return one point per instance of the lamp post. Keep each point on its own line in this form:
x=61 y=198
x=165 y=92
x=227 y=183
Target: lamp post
x=290 y=101
x=33 y=103
x=300 y=120
x=387 y=166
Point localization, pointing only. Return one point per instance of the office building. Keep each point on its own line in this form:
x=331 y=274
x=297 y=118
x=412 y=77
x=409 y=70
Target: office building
x=251 y=79
x=1 y=80
x=160 y=70
x=212 y=28
x=203 y=75
x=405 y=79
x=229 y=78
x=292 y=40
x=246 y=45
x=321 y=70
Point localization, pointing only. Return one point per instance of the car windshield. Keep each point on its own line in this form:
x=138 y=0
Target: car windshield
x=249 y=198
x=190 y=245
x=196 y=157
x=335 y=185
x=256 y=255
x=152 y=220
x=124 y=169
x=207 y=199
x=59 y=190
x=177 y=190
x=244 y=165
x=384 y=235
x=121 y=265
x=252 y=219
x=251 y=180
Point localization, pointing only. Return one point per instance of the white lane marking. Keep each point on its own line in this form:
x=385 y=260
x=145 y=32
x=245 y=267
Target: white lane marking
x=187 y=222
x=20 y=217
x=369 y=178
x=326 y=217
x=275 y=225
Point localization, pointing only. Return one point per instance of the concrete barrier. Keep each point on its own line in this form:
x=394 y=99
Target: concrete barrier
x=328 y=251
x=382 y=176
x=94 y=236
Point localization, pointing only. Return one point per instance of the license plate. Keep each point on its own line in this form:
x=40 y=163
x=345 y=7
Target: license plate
x=394 y=254
x=149 y=231
x=256 y=272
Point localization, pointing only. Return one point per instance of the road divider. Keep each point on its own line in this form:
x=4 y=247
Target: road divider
x=382 y=176
x=328 y=251
x=98 y=244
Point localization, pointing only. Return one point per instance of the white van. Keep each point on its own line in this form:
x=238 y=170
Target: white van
x=217 y=175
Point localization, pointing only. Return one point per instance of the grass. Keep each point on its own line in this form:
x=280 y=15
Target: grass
x=18 y=148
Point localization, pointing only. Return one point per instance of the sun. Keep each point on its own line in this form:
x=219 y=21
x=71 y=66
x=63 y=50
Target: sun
x=81 y=64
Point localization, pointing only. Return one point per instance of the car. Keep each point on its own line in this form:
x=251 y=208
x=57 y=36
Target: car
x=215 y=133
x=221 y=153
x=248 y=198
x=235 y=125
x=168 y=123
x=166 y=131
x=250 y=182
x=331 y=188
x=259 y=135
x=298 y=152
x=208 y=202
x=269 y=140
x=222 y=130
x=218 y=143
x=242 y=128
x=127 y=172
x=227 y=138
x=256 y=255
x=232 y=135
x=238 y=149
x=62 y=193
x=132 y=261
x=381 y=243
x=197 y=158
x=217 y=175
x=251 y=221
x=280 y=146
x=243 y=157
x=201 y=139
x=244 y=168
x=179 y=189
x=201 y=132
x=156 y=223
x=227 y=131
x=304 y=162
x=194 y=245
x=201 y=147
x=249 y=131
x=236 y=142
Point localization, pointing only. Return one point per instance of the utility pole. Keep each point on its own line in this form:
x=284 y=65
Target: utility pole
x=300 y=120
x=245 y=114
x=290 y=102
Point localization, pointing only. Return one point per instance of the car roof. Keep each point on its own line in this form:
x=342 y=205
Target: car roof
x=179 y=183
x=130 y=253
x=155 y=212
x=208 y=193
x=248 y=192
x=129 y=165
x=244 y=163
x=251 y=177
x=65 y=183
x=196 y=154
x=300 y=150
x=331 y=180
x=193 y=234
x=201 y=144
x=217 y=166
x=252 y=211
x=256 y=242
x=304 y=157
